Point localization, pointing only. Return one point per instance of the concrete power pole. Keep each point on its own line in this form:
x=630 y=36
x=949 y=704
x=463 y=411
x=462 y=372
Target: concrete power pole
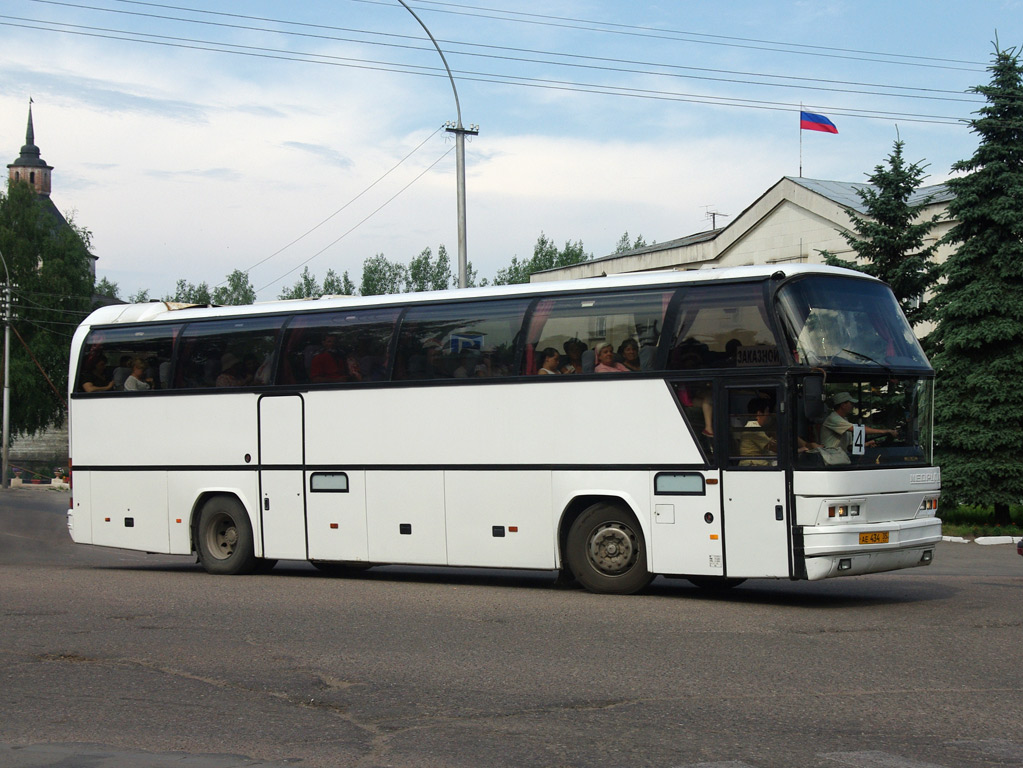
x=7 y=313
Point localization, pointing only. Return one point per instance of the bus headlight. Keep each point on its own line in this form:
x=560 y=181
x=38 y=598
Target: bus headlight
x=928 y=508
x=843 y=510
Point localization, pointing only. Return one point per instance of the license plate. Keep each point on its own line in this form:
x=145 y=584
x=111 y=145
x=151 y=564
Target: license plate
x=876 y=537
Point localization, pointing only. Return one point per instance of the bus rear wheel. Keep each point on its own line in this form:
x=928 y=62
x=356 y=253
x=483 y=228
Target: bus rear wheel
x=224 y=537
x=606 y=551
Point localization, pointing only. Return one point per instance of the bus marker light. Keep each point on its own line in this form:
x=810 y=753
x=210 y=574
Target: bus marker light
x=178 y=521
x=713 y=537
x=333 y=526
x=513 y=529
x=845 y=564
x=106 y=519
x=831 y=511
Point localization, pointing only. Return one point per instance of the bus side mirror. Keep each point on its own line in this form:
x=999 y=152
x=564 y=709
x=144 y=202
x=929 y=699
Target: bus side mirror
x=813 y=398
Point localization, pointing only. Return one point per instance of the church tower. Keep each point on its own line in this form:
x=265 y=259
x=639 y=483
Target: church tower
x=30 y=166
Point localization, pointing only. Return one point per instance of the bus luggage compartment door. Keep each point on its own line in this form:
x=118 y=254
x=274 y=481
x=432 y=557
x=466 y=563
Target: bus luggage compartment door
x=281 y=477
x=756 y=524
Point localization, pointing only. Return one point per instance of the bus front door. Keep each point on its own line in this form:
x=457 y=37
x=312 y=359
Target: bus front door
x=754 y=499
x=281 y=476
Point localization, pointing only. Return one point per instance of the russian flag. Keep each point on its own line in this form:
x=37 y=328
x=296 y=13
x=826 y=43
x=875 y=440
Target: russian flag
x=808 y=121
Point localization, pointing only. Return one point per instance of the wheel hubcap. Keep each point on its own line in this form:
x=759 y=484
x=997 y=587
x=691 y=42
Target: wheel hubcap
x=612 y=549
x=223 y=537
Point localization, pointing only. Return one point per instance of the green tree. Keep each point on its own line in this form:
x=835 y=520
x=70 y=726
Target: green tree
x=889 y=239
x=304 y=288
x=187 y=293
x=49 y=262
x=978 y=341
x=425 y=274
x=107 y=288
x=380 y=276
x=338 y=286
x=141 y=296
x=236 y=290
x=545 y=256
x=624 y=244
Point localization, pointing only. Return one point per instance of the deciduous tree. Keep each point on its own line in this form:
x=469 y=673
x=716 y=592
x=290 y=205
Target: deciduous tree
x=49 y=262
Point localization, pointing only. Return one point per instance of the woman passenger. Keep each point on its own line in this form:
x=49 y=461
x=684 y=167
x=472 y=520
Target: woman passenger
x=606 y=362
x=628 y=353
x=574 y=350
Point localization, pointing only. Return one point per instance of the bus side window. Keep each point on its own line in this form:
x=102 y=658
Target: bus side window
x=227 y=353
x=723 y=326
x=359 y=339
x=575 y=325
x=119 y=347
x=474 y=340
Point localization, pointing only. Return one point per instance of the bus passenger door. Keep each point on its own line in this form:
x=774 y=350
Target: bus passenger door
x=753 y=486
x=281 y=476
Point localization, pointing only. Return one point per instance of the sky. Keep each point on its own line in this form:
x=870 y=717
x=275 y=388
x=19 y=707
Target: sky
x=195 y=138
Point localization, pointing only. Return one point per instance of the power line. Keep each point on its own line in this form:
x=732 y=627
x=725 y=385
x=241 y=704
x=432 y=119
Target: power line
x=678 y=70
x=648 y=32
x=335 y=213
x=431 y=71
x=363 y=221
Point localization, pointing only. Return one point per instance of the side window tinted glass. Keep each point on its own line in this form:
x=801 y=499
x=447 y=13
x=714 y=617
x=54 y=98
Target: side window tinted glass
x=227 y=353
x=459 y=341
x=752 y=427
x=596 y=333
x=343 y=346
x=723 y=326
x=115 y=355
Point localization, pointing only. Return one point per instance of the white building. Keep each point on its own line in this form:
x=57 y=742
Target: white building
x=791 y=222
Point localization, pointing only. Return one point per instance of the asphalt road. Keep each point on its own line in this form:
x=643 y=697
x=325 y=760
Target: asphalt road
x=110 y=659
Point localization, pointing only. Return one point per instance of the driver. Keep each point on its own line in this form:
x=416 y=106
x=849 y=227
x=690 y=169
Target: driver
x=836 y=432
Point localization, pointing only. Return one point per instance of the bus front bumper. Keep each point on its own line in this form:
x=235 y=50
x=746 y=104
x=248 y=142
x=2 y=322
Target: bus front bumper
x=850 y=550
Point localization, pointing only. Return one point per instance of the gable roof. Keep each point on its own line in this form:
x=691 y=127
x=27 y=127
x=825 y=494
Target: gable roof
x=844 y=193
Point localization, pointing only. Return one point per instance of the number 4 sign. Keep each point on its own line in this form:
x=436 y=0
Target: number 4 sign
x=859 y=439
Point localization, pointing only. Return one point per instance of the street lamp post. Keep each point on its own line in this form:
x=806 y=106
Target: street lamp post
x=460 y=133
x=4 y=450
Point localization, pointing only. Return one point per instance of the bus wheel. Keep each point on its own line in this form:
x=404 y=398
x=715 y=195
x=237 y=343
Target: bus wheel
x=606 y=551
x=224 y=537
x=714 y=582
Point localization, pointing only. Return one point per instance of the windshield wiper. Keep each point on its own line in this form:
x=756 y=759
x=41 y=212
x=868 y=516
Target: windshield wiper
x=868 y=358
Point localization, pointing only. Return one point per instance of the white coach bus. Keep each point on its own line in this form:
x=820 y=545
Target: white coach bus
x=494 y=428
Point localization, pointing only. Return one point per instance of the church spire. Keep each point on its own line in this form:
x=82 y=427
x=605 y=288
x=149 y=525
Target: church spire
x=30 y=166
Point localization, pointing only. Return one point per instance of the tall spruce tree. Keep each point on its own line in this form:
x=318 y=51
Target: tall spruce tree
x=978 y=342
x=890 y=239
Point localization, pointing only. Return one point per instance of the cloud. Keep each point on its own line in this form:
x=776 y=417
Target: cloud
x=328 y=154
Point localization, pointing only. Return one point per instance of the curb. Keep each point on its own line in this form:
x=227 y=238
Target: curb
x=984 y=541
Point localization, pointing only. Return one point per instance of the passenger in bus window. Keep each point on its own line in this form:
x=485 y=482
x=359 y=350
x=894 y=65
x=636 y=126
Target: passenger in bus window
x=550 y=360
x=606 y=363
x=232 y=371
x=628 y=354
x=574 y=351
x=698 y=395
x=96 y=378
x=328 y=365
x=137 y=381
x=759 y=435
x=122 y=372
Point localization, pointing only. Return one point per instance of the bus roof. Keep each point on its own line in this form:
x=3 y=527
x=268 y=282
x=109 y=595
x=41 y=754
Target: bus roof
x=173 y=311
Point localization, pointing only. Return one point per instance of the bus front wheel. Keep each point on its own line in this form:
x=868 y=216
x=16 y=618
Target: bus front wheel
x=224 y=537
x=606 y=551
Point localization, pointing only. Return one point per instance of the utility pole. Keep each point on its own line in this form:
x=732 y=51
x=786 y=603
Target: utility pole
x=7 y=316
x=460 y=133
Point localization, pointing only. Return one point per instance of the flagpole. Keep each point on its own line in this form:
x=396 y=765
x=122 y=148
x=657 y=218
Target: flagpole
x=800 y=140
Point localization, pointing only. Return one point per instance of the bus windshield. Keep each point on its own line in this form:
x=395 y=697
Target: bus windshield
x=871 y=420
x=848 y=324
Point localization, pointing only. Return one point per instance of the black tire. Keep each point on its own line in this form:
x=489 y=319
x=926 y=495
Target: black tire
x=331 y=568
x=224 y=537
x=606 y=551
x=714 y=582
